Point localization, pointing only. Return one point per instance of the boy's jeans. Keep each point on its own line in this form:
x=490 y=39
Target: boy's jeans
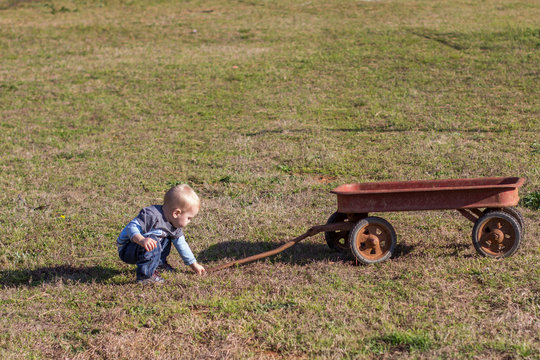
x=147 y=261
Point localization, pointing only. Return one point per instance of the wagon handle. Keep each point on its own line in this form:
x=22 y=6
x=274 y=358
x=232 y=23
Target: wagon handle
x=310 y=232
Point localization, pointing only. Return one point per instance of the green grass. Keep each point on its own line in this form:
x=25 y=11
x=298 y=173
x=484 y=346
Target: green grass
x=263 y=107
x=532 y=200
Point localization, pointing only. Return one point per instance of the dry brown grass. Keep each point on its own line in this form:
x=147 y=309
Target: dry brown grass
x=263 y=110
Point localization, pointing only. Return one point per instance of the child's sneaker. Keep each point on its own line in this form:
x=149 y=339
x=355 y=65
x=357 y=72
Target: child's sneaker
x=166 y=267
x=154 y=279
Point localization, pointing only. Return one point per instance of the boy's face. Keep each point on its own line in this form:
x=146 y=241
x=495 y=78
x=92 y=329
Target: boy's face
x=180 y=218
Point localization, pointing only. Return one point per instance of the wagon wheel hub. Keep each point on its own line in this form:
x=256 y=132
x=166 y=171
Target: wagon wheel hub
x=496 y=236
x=373 y=242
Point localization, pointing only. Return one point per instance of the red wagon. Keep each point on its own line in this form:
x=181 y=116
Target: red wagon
x=487 y=202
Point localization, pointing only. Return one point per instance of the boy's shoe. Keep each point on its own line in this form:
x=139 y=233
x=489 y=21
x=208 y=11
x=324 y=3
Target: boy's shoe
x=166 y=267
x=154 y=279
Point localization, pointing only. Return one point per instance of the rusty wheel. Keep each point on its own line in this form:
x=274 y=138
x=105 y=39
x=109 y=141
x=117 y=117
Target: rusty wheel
x=337 y=240
x=373 y=240
x=514 y=213
x=496 y=234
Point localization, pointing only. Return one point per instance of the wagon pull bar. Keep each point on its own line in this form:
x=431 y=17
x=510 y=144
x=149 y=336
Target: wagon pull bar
x=346 y=226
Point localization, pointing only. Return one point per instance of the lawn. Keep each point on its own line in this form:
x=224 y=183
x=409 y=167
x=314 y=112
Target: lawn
x=263 y=107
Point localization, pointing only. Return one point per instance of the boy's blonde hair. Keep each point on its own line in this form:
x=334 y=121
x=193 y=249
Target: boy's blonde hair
x=182 y=197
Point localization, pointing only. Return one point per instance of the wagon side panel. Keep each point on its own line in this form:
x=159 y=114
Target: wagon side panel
x=427 y=200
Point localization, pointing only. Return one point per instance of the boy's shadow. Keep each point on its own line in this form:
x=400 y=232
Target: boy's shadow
x=52 y=274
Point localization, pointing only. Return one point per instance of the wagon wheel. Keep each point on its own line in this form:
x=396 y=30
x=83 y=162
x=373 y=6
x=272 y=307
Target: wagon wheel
x=339 y=240
x=496 y=234
x=373 y=240
x=512 y=211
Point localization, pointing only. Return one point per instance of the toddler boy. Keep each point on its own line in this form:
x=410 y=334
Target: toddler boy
x=146 y=240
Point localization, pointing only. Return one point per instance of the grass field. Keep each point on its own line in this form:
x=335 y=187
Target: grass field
x=263 y=107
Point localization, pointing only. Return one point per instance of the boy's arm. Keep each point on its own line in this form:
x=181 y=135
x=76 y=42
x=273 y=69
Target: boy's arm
x=134 y=230
x=147 y=243
x=187 y=255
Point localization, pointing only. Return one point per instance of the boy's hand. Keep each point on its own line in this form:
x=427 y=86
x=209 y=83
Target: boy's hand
x=199 y=269
x=148 y=244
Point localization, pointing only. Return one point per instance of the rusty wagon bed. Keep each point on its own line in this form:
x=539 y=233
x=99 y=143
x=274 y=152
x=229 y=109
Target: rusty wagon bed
x=496 y=192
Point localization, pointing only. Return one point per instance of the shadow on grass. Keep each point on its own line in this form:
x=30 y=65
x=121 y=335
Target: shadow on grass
x=378 y=129
x=401 y=250
x=459 y=250
x=275 y=131
x=300 y=253
x=52 y=274
x=385 y=129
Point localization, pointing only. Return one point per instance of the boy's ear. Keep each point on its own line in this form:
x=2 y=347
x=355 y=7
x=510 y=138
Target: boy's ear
x=176 y=213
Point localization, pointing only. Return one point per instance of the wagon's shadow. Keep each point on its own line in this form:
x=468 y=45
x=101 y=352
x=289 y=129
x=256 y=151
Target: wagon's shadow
x=459 y=249
x=53 y=274
x=402 y=250
x=301 y=253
